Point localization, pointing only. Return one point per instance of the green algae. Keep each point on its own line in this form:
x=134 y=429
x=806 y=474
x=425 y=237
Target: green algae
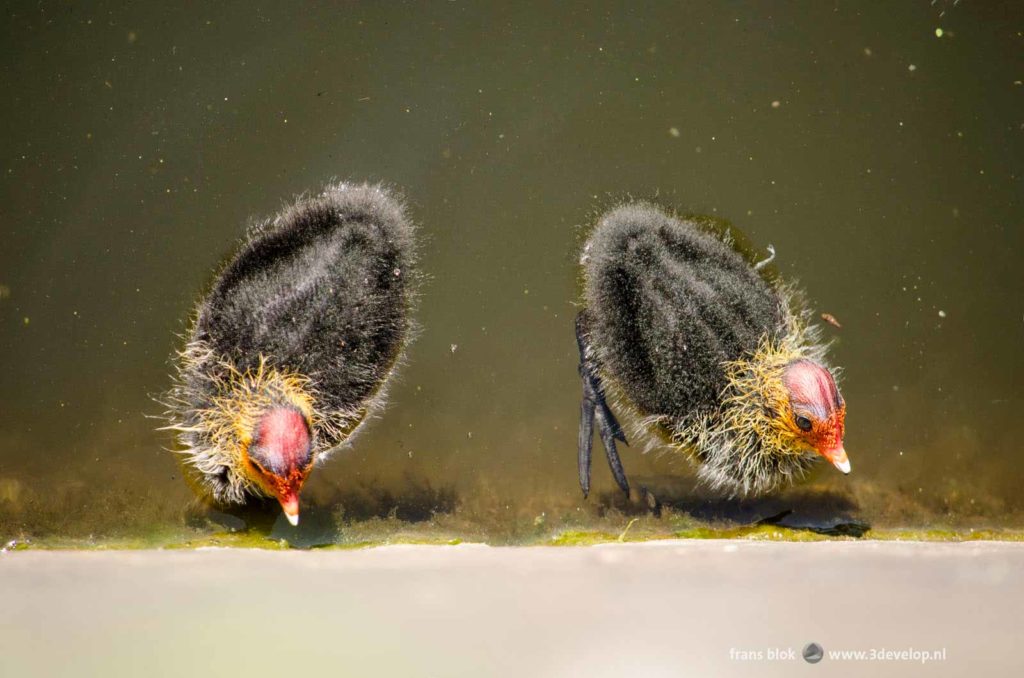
x=783 y=534
x=566 y=538
x=946 y=535
x=568 y=528
x=582 y=538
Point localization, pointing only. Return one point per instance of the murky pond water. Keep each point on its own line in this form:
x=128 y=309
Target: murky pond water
x=878 y=147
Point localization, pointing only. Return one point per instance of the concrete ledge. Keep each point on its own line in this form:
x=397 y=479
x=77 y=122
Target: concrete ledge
x=666 y=608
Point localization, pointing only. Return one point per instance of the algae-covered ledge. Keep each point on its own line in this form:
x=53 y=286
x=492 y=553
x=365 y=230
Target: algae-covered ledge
x=412 y=535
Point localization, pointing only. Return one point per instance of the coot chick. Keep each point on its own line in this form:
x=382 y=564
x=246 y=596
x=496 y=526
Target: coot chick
x=695 y=341
x=294 y=345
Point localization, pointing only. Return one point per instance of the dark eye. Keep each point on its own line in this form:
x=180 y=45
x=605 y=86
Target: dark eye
x=803 y=423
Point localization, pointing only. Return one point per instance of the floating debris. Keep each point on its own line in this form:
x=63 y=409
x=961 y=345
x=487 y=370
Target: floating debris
x=942 y=314
x=453 y=348
x=764 y=262
x=831 y=320
x=622 y=535
x=674 y=131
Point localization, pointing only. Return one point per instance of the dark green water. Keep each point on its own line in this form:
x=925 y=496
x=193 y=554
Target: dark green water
x=882 y=160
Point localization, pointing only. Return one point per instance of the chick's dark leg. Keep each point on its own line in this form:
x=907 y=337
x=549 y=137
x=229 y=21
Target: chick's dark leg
x=586 y=440
x=594 y=406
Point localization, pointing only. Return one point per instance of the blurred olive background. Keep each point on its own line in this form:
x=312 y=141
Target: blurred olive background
x=877 y=145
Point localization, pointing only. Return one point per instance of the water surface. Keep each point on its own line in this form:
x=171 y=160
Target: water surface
x=880 y=158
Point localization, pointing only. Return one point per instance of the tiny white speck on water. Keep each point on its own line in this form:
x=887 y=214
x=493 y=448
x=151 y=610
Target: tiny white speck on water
x=938 y=32
x=911 y=68
x=942 y=314
x=674 y=131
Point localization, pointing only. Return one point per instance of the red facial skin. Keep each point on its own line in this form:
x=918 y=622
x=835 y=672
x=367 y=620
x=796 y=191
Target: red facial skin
x=814 y=396
x=281 y=456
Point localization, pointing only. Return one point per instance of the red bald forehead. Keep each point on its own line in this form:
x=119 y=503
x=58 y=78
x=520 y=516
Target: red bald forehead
x=282 y=440
x=811 y=386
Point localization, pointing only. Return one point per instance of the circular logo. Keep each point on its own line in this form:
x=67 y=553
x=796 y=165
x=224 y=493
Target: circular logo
x=813 y=653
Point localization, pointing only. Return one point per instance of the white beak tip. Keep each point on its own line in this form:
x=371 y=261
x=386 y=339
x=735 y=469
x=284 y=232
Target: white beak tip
x=843 y=465
x=294 y=518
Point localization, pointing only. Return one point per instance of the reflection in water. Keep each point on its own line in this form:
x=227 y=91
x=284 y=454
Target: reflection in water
x=140 y=139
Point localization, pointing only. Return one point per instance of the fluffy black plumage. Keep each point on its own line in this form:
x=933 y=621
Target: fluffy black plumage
x=668 y=304
x=311 y=315
x=322 y=289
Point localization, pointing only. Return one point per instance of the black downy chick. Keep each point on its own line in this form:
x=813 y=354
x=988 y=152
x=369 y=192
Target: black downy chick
x=704 y=351
x=294 y=345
